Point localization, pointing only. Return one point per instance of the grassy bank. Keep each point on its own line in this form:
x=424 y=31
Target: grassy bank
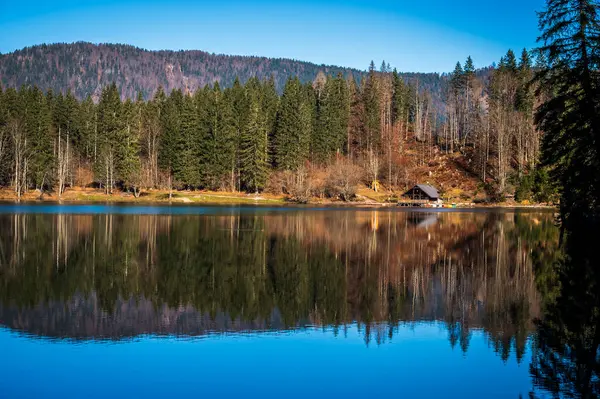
x=151 y=196
x=365 y=197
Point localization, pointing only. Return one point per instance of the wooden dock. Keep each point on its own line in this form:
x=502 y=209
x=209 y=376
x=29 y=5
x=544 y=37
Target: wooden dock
x=413 y=203
x=407 y=203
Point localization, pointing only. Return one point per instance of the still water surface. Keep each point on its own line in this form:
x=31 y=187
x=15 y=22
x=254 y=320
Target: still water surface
x=128 y=301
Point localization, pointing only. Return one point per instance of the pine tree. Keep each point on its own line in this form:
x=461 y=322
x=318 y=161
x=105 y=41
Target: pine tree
x=356 y=127
x=372 y=67
x=372 y=113
x=4 y=140
x=470 y=112
x=570 y=118
x=129 y=165
x=456 y=106
x=330 y=133
x=71 y=113
x=310 y=98
x=294 y=124
x=87 y=140
x=186 y=170
x=341 y=103
x=398 y=99
x=151 y=138
x=38 y=126
x=170 y=120
x=509 y=61
x=469 y=68
x=254 y=147
x=307 y=119
x=524 y=94
x=228 y=140
x=457 y=78
x=240 y=108
x=321 y=133
x=110 y=128
x=384 y=67
x=218 y=146
x=269 y=104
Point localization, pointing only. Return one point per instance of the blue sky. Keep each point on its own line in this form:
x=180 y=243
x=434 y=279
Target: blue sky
x=413 y=35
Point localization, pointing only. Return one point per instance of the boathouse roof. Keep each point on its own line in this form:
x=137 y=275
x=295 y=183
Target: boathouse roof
x=425 y=190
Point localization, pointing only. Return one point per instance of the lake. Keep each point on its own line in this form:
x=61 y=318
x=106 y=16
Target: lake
x=124 y=301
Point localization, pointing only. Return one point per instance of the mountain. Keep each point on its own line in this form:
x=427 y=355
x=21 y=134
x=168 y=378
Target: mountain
x=85 y=68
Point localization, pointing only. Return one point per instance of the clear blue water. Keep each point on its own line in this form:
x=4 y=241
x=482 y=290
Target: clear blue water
x=312 y=362
x=133 y=301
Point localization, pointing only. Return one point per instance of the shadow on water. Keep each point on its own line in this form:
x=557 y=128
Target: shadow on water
x=566 y=351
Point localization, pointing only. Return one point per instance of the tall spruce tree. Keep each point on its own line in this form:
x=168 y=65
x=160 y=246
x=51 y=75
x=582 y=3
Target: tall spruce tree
x=320 y=139
x=525 y=97
x=469 y=68
x=269 y=103
x=330 y=133
x=38 y=123
x=240 y=109
x=457 y=78
x=129 y=165
x=230 y=136
x=355 y=133
x=151 y=137
x=170 y=120
x=341 y=114
x=509 y=61
x=254 y=154
x=401 y=102
x=87 y=139
x=110 y=129
x=570 y=118
x=293 y=130
x=218 y=145
x=372 y=115
x=470 y=111
x=4 y=140
x=186 y=170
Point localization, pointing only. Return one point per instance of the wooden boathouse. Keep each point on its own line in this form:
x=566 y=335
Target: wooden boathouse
x=421 y=195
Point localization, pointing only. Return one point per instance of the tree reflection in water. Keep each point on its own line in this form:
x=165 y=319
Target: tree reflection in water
x=566 y=358
x=114 y=276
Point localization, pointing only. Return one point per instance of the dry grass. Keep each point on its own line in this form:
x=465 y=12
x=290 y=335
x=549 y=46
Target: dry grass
x=79 y=194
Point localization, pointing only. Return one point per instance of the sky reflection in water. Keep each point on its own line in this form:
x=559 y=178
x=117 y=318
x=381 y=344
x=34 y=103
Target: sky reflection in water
x=99 y=301
x=418 y=362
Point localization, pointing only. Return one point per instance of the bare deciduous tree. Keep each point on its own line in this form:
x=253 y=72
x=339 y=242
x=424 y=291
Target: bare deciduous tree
x=21 y=155
x=297 y=184
x=372 y=169
x=62 y=158
x=343 y=178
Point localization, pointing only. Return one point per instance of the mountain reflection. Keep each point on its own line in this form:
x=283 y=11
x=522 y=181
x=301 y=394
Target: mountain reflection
x=115 y=276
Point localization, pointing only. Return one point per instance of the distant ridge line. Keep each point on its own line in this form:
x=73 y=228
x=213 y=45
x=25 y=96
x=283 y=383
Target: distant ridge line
x=84 y=68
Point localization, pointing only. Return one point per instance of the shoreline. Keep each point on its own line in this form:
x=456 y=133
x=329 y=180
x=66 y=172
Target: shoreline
x=161 y=197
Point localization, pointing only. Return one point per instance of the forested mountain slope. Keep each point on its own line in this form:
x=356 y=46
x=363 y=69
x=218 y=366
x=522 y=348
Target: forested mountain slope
x=85 y=68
